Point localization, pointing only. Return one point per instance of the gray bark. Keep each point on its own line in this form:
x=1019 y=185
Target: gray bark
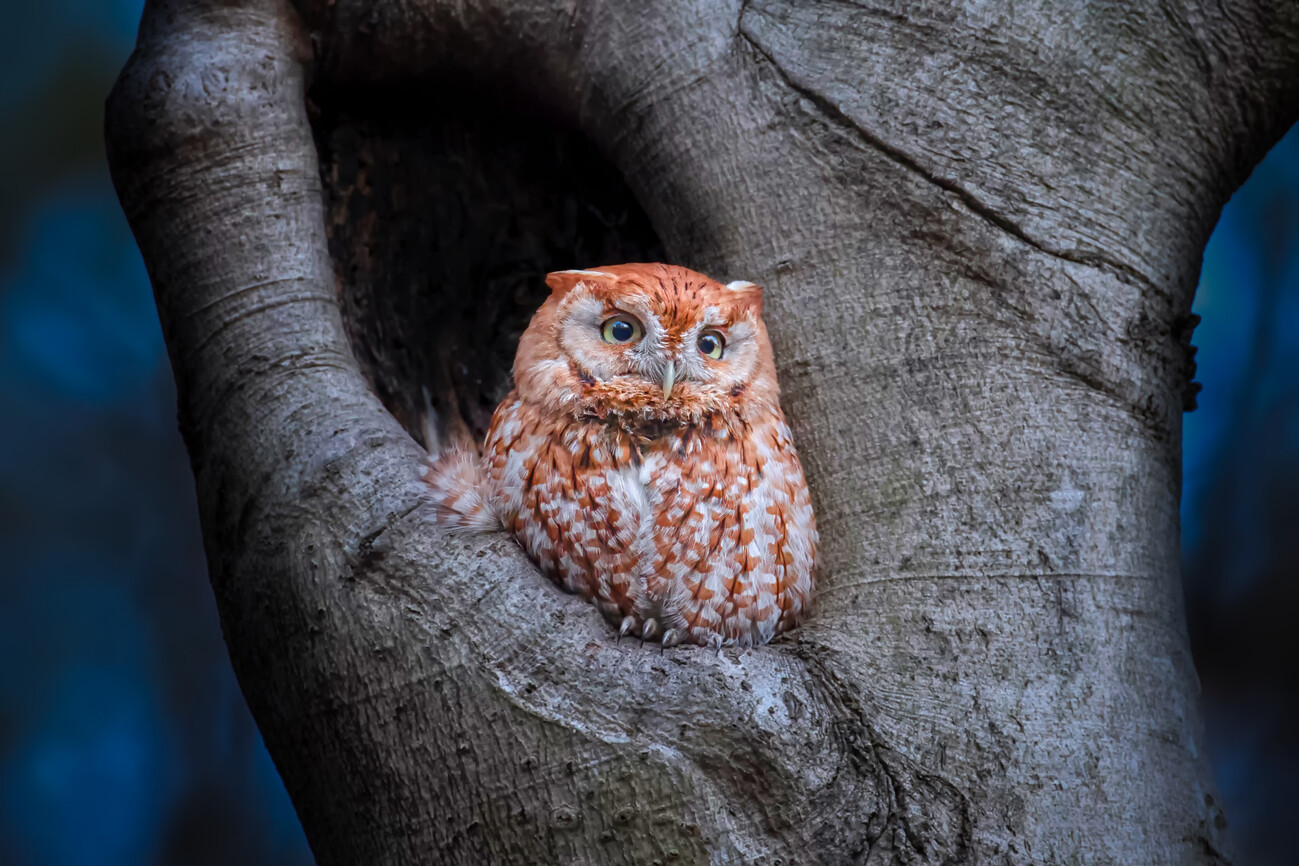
x=980 y=228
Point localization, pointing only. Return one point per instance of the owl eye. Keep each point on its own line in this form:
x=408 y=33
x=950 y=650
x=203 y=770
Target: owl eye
x=712 y=344
x=621 y=329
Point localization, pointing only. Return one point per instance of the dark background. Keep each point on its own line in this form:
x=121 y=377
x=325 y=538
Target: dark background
x=123 y=736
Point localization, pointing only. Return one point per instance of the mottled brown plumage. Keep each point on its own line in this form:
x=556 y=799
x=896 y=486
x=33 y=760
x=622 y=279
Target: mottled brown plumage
x=653 y=475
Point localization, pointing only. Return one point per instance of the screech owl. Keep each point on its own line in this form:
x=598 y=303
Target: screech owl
x=642 y=459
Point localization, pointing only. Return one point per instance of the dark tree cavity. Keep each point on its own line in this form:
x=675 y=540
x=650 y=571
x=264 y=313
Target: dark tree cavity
x=979 y=228
x=443 y=217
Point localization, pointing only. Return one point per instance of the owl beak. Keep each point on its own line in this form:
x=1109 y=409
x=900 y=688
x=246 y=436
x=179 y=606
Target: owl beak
x=668 y=379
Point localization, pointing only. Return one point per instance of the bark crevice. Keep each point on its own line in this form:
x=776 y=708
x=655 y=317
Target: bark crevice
x=835 y=117
x=338 y=245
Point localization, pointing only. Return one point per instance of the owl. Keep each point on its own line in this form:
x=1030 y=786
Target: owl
x=642 y=460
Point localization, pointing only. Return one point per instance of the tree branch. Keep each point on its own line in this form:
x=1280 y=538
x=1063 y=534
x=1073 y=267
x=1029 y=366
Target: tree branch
x=387 y=664
x=985 y=387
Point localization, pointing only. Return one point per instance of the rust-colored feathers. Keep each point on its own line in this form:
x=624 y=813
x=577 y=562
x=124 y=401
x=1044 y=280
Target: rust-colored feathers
x=643 y=461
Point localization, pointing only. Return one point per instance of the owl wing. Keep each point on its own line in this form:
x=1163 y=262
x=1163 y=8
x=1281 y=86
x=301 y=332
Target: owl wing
x=571 y=493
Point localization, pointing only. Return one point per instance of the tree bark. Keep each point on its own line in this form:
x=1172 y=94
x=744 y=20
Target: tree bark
x=979 y=227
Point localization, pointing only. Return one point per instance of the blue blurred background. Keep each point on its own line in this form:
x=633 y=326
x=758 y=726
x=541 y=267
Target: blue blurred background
x=123 y=736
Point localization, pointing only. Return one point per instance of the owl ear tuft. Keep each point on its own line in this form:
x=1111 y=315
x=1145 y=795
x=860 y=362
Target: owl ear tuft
x=747 y=294
x=562 y=282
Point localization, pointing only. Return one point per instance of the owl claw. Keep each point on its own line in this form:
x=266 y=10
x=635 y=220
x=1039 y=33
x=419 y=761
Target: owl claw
x=628 y=623
x=593 y=519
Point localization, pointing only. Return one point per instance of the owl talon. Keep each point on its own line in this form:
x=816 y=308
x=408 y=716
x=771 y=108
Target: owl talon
x=628 y=623
x=629 y=519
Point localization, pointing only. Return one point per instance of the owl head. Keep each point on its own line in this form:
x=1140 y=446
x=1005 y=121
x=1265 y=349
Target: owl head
x=653 y=341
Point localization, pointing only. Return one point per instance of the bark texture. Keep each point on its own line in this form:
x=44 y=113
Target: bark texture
x=979 y=226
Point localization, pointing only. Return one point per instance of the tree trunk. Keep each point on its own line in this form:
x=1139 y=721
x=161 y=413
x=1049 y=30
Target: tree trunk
x=979 y=227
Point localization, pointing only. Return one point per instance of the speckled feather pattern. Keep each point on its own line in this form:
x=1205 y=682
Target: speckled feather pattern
x=683 y=517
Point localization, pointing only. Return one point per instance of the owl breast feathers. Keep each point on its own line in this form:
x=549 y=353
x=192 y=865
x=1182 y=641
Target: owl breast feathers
x=642 y=459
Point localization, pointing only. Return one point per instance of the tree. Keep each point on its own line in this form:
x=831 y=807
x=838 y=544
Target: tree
x=980 y=230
